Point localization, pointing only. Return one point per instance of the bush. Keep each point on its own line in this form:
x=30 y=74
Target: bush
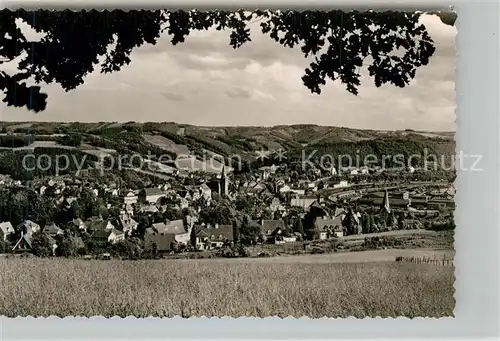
x=40 y=245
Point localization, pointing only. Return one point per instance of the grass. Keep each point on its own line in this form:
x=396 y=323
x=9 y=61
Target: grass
x=67 y=287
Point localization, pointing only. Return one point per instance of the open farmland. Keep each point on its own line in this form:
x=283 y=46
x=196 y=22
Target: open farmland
x=223 y=287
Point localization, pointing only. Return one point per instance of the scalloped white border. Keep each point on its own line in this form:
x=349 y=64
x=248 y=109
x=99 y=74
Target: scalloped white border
x=476 y=240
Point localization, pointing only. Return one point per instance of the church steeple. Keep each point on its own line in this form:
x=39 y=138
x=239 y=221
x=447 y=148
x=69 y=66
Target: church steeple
x=385 y=204
x=224 y=182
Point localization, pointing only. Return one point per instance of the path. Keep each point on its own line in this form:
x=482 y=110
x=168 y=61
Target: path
x=341 y=257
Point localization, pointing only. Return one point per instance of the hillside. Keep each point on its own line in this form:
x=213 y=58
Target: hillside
x=178 y=139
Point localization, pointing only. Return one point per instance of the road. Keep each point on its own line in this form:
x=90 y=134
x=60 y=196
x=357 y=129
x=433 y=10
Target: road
x=395 y=233
x=339 y=257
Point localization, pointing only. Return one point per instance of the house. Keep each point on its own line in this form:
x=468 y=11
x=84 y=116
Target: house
x=302 y=201
x=341 y=184
x=311 y=186
x=116 y=236
x=128 y=224
x=329 y=227
x=213 y=237
x=129 y=209
x=276 y=205
x=28 y=227
x=148 y=209
x=130 y=198
x=6 y=229
x=170 y=227
x=100 y=236
x=184 y=203
x=185 y=238
x=53 y=230
x=79 y=224
x=285 y=189
x=206 y=192
x=153 y=194
x=99 y=224
x=270 y=229
x=158 y=241
x=351 y=223
x=298 y=190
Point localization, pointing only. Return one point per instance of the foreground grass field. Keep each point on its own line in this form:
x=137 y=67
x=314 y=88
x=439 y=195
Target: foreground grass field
x=66 y=287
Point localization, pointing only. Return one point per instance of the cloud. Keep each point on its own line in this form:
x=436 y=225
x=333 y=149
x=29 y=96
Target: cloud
x=173 y=97
x=238 y=93
x=257 y=84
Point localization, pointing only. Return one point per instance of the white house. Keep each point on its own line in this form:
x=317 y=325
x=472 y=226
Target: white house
x=341 y=184
x=130 y=198
x=302 y=201
x=116 y=236
x=153 y=194
x=6 y=229
x=206 y=192
x=285 y=189
x=128 y=223
x=109 y=226
x=28 y=227
x=297 y=190
x=80 y=224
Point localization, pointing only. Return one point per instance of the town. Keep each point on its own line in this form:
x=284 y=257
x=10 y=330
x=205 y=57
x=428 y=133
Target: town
x=196 y=211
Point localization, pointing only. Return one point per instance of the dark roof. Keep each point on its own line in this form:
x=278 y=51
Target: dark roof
x=101 y=233
x=52 y=229
x=269 y=226
x=171 y=227
x=223 y=232
x=154 y=191
x=324 y=224
x=163 y=241
x=96 y=224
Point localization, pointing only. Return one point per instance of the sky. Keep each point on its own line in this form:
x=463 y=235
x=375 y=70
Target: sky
x=206 y=82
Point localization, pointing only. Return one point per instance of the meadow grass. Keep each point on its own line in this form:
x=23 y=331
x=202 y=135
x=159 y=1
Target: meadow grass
x=68 y=287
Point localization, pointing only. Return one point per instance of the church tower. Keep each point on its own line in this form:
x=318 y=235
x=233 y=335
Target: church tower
x=224 y=183
x=385 y=209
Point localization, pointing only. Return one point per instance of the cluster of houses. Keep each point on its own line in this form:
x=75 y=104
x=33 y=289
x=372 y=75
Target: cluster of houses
x=167 y=235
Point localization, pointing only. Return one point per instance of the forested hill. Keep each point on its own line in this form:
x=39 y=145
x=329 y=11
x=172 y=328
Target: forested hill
x=179 y=139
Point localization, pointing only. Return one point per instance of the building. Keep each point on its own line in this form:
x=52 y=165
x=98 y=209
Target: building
x=351 y=223
x=170 y=227
x=206 y=192
x=302 y=201
x=271 y=230
x=53 y=230
x=28 y=227
x=224 y=182
x=329 y=227
x=153 y=194
x=130 y=198
x=341 y=184
x=115 y=236
x=78 y=223
x=128 y=224
x=213 y=237
x=6 y=229
x=158 y=241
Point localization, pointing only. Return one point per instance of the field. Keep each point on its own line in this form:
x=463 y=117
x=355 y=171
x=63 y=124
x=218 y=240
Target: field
x=225 y=287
